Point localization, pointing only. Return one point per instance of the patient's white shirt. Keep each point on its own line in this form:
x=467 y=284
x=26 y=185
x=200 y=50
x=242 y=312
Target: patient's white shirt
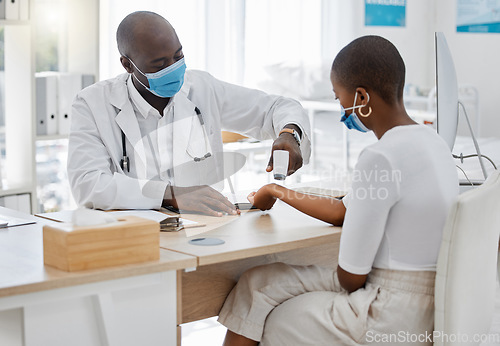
x=403 y=187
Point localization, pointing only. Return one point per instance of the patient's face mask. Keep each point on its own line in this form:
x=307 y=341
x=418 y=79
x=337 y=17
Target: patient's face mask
x=167 y=82
x=351 y=120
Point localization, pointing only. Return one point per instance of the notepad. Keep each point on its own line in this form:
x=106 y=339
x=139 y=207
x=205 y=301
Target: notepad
x=12 y=222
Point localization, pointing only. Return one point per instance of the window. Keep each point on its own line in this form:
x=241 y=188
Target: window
x=48 y=33
x=232 y=39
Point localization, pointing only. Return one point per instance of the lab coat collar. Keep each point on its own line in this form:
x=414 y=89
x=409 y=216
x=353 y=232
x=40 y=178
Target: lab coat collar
x=188 y=135
x=118 y=95
x=144 y=108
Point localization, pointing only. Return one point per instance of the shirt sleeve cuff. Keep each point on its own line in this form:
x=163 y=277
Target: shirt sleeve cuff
x=302 y=133
x=155 y=190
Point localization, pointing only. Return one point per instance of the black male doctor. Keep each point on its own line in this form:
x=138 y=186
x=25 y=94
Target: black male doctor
x=152 y=136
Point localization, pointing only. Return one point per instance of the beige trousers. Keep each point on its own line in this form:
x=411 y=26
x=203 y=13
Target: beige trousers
x=280 y=304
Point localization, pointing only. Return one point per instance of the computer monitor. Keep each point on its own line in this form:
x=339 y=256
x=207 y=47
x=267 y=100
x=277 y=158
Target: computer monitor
x=446 y=92
x=447 y=98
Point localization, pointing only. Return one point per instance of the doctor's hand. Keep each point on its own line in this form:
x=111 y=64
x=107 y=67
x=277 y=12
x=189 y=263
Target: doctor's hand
x=202 y=199
x=287 y=142
x=265 y=198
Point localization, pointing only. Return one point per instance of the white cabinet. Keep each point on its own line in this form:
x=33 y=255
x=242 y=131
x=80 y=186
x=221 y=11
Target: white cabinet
x=136 y=310
x=21 y=202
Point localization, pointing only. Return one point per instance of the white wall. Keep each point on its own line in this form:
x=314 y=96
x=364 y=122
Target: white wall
x=415 y=42
x=476 y=56
x=477 y=61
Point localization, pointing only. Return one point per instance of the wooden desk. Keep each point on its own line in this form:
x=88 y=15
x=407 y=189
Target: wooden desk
x=143 y=303
x=40 y=305
x=254 y=238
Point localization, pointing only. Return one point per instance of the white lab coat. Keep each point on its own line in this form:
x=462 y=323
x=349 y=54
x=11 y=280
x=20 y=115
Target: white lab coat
x=102 y=111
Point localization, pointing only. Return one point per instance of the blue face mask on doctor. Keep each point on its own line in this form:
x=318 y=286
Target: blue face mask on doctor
x=166 y=82
x=351 y=120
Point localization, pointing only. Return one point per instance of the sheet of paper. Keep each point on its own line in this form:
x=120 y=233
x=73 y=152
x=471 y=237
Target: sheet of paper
x=191 y=232
x=155 y=216
x=146 y=214
x=6 y=221
x=59 y=216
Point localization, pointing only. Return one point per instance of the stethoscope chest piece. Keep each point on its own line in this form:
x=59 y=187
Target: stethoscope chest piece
x=125 y=163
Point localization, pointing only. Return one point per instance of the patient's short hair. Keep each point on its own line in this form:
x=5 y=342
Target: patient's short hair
x=374 y=63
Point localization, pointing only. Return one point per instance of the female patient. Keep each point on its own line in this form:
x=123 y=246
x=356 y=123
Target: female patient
x=383 y=288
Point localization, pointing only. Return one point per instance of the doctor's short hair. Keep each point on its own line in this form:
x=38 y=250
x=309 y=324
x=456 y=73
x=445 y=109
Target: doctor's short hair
x=125 y=34
x=374 y=63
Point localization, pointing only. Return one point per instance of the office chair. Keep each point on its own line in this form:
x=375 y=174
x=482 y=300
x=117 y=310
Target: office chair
x=467 y=270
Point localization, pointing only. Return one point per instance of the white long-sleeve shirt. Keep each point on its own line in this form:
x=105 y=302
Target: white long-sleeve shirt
x=403 y=187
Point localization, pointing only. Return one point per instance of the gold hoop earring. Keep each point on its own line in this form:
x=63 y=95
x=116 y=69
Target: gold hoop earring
x=365 y=115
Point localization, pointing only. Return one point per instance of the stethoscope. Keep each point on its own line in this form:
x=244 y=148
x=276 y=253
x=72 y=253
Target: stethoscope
x=125 y=161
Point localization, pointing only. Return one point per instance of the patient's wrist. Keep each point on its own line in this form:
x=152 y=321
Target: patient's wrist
x=276 y=191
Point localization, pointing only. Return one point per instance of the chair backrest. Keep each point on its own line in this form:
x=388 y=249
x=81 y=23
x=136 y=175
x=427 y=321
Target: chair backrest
x=230 y=137
x=466 y=271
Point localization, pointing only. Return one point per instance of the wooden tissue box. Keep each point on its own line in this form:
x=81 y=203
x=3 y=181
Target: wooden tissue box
x=130 y=240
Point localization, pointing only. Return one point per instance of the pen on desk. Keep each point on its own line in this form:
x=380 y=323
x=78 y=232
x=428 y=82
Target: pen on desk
x=233 y=195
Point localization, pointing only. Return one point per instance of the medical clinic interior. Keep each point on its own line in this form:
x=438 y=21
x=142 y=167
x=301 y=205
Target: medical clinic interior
x=249 y=172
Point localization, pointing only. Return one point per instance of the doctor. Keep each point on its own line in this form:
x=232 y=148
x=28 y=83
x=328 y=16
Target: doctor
x=152 y=137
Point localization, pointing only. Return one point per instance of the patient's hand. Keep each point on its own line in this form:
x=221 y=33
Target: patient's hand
x=265 y=198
